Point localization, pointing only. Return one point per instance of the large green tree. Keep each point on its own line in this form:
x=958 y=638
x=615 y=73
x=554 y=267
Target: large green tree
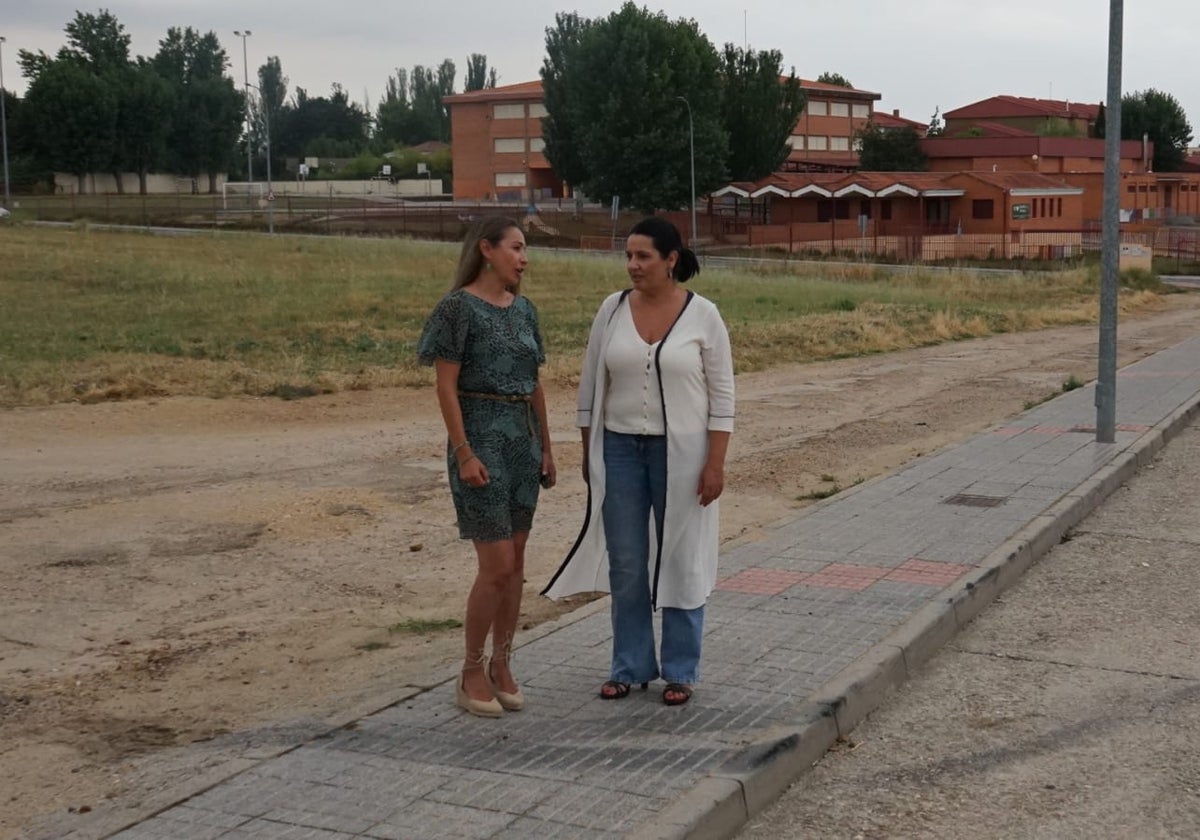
x=479 y=76
x=98 y=45
x=830 y=78
x=1159 y=115
x=208 y=109
x=758 y=110
x=266 y=109
x=891 y=149
x=321 y=126
x=73 y=116
x=144 y=114
x=618 y=91
x=412 y=109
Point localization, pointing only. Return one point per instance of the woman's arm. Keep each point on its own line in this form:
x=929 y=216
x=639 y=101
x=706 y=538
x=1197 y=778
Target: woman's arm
x=717 y=357
x=471 y=470
x=549 y=471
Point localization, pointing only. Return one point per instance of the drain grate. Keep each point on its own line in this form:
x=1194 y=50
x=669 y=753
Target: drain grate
x=975 y=501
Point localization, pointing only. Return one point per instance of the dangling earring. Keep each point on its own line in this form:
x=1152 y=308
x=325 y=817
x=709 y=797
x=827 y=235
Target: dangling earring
x=487 y=266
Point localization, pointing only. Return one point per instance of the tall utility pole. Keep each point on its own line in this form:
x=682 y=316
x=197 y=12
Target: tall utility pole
x=244 y=34
x=692 y=150
x=1110 y=245
x=4 y=126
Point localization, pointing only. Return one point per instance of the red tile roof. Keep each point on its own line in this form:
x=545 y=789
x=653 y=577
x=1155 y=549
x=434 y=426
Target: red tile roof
x=521 y=90
x=1020 y=181
x=1022 y=106
x=994 y=129
x=883 y=119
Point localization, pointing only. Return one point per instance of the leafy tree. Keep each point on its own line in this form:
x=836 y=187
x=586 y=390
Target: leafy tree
x=393 y=118
x=208 y=109
x=936 y=127
x=334 y=119
x=144 y=112
x=98 y=39
x=565 y=111
x=72 y=114
x=412 y=110
x=1159 y=115
x=478 y=74
x=265 y=111
x=759 y=113
x=891 y=149
x=1098 y=125
x=838 y=79
x=617 y=92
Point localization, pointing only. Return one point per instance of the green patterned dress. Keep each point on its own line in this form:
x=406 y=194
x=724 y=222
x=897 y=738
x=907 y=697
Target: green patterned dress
x=499 y=349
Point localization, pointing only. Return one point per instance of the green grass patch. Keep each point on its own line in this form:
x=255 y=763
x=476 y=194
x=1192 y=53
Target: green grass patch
x=92 y=315
x=424 y=626
x=1071 y=383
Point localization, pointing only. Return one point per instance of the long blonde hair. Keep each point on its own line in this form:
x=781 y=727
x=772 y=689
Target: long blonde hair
x=470 y=261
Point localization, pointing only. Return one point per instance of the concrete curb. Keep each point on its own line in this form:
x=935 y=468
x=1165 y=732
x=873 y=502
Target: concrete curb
x=721 y=804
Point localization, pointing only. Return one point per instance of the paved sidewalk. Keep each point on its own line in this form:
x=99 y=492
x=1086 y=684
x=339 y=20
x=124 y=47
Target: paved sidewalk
x=807 y=630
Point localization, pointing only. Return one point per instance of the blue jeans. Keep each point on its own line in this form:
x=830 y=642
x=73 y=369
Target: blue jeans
x=635 y=476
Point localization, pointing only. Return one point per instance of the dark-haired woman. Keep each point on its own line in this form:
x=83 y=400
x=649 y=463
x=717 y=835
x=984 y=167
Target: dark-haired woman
x=656 y=408
x=484 y=342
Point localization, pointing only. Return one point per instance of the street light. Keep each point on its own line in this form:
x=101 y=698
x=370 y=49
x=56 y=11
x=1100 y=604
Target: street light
x=244 y=34
x=692 y=148
x=4 y=126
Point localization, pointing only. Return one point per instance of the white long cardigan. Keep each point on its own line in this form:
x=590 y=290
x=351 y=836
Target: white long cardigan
x=683 y=570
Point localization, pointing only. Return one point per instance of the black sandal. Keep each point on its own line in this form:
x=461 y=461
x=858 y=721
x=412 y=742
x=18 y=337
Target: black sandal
x=677 y=689
x=617 y=689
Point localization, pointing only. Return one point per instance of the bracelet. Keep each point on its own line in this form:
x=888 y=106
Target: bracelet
x=467 y=460
x=454 y=450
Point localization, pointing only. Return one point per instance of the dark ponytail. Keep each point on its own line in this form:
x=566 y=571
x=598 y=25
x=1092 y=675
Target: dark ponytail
x=666 y=238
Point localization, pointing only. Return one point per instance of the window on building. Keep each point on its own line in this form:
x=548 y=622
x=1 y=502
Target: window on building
x=860 y=111
x=830 y=208
x=839 y=109
x=796 y=141
x=1131 y=188
x=817 y=143
x=537 y=144
x=983 y=208
x=508 y=112
x=885 y=209
x=510 y=179
x=510 y=145
x=1058 y=210
x=864 y=207
x=817 y=107
x=537 y=109
x=839 y=144
x=1033 y=211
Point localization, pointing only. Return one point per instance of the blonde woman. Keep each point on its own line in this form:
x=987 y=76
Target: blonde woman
x=485 y=345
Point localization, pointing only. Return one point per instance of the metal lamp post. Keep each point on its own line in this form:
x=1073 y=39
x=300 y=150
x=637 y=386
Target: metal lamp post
x=244 y=34
x=1110 y=247
x=692 y=149
x=266 y=112
x=4 y=126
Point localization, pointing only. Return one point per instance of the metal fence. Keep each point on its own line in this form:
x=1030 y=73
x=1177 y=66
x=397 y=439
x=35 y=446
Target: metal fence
x=562 y=224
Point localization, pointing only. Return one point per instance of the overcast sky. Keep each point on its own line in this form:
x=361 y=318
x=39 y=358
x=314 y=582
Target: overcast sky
x=919 y=54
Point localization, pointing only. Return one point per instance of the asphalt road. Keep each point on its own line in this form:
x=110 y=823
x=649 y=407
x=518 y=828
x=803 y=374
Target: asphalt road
x=1070 y=708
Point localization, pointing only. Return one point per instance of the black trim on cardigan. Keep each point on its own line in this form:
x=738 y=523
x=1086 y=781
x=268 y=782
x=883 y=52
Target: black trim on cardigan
x=662 y=396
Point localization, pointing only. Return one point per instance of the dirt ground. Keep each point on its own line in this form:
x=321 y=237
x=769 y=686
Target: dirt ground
x=186 y=584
